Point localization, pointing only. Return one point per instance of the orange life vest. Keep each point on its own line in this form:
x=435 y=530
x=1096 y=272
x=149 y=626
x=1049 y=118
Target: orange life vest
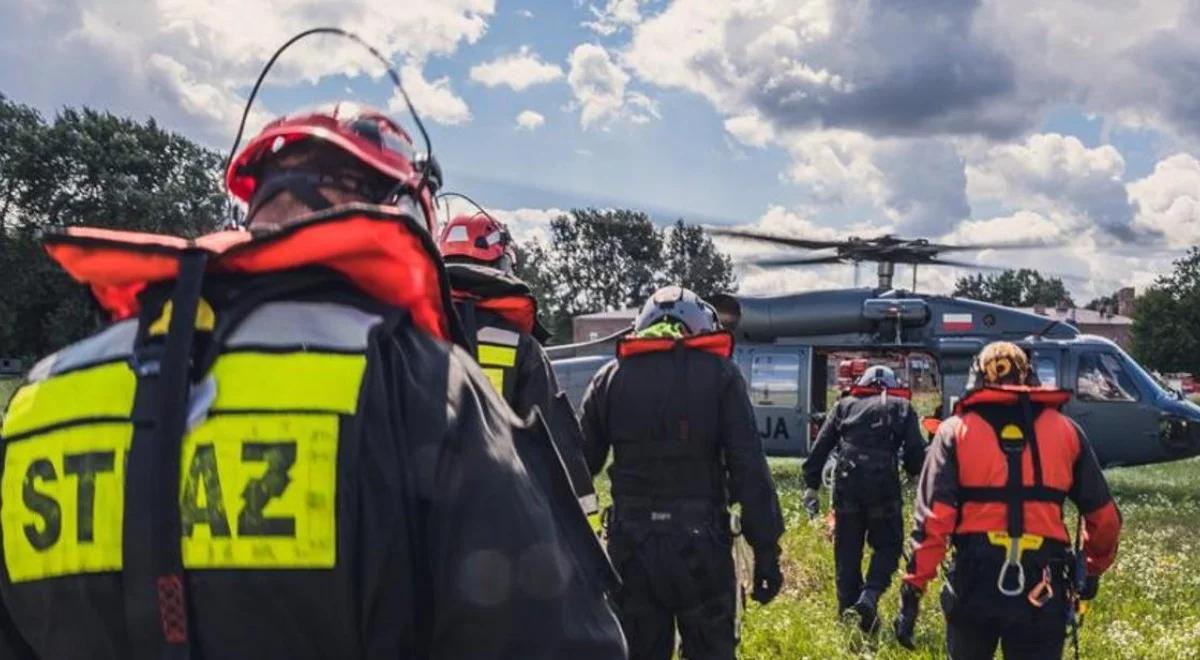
x=1041 y=453
x=385 y=254
x=520 y=311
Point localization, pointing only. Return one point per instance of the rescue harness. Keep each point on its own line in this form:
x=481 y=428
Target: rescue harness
x=1013 y=439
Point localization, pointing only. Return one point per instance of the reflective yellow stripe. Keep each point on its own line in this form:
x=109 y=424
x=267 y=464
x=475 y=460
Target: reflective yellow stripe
x=206 y=319
x=290 y=463
x=496 y=376
x=103 y=391
x=63 y=501
x=499 y=356
x=295 y=381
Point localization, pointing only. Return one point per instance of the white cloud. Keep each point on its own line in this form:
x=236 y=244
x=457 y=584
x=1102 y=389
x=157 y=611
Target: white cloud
x=641 y=108
x=517 y=71
x=530 y=120
x=434 y=99
x=915 y=184
x=524 y=13
x=614 y=16
x=750 y=130
x=527 y=224
x=1051 y=172
x=1168 y=200
x=597 y=83
x=188 y=63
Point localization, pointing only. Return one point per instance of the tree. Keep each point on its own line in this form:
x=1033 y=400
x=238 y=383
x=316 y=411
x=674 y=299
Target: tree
x=1166 y=319
x=1014 y=288
x=90 y=168
x=691 y=260
x=614 y=259
x=1108 y=302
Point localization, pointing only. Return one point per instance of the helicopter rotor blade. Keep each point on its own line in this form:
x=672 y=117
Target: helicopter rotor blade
x=789 y=241
x=962 y=264
x=1015 y=245
x=797 y=261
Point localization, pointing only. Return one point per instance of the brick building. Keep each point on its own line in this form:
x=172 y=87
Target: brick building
x=1115 y=325
x=588 y=327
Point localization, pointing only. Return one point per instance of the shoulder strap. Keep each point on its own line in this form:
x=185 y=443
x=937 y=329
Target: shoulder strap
x=156 y=610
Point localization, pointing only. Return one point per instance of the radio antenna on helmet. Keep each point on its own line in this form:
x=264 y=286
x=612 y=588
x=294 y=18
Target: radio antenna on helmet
x=469 y=200
x=387 y=65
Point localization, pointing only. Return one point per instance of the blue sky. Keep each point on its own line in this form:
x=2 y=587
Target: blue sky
x=967 y=120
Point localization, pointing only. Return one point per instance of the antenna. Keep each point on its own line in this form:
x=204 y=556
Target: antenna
x=426 y=166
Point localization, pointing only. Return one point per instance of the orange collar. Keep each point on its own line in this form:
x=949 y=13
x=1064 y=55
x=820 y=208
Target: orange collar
x=719 y=343
x=866 y=392
x=385 y=254
x=1009 y=395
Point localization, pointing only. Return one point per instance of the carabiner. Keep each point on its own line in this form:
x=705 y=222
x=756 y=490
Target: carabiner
x=1012 y=560
x=1043 y=591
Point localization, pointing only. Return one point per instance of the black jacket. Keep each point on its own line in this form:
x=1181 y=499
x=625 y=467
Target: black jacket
x=527 y=381
x=872 y=423
x=681 y=429
x=351 y=487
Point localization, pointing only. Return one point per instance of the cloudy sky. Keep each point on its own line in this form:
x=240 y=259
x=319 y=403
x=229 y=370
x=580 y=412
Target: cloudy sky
x=966 y=120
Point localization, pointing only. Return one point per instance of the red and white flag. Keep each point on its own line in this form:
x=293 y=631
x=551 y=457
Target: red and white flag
x=958 y=322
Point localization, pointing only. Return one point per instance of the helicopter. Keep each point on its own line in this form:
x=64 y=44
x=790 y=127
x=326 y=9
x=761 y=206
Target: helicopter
x=785 y=344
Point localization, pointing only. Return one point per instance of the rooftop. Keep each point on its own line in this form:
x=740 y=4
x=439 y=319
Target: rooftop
x=615 y=315
x=1079 y=316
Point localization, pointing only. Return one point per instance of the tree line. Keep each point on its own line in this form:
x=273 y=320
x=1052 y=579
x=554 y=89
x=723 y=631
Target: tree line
x=85 y=167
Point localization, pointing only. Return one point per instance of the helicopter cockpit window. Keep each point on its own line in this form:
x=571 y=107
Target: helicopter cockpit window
x=1102 y=377
x=775 y=379
x=1046 y=369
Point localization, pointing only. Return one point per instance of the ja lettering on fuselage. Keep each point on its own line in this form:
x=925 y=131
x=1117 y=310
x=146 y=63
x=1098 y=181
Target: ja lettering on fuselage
x=784 y=343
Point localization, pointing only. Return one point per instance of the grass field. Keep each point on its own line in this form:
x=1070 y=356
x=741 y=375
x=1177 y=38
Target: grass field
x=7 y=387
x=1149 y=604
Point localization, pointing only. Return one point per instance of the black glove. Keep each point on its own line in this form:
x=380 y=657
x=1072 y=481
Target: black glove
x=906 y=619
x=1091 y=587
x=768 y=579
x=812 y=503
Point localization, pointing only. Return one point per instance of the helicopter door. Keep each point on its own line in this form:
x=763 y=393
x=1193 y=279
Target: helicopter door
x=1119 y=419
x=777 y=378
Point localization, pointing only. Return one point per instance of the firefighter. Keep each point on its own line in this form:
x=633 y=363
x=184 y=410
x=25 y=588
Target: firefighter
x=993 y=486
x=870 y=428
x=675 y=412
x=275 y=451
x=499 y=315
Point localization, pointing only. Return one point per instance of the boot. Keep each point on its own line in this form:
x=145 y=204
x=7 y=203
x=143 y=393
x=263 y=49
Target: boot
x=867 y=608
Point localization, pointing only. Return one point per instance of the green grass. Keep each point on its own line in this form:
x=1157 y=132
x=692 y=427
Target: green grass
x=7 y=387
x=1149 y=604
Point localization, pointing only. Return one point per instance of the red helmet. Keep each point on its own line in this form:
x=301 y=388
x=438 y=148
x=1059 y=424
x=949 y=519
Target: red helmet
x=478 y=237
x=367 y=134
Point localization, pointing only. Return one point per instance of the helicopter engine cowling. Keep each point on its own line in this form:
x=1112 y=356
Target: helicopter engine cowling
x=816 y=313
x=798 y=315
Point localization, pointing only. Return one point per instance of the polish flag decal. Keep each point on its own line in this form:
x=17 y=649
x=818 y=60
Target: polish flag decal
x=958 y=322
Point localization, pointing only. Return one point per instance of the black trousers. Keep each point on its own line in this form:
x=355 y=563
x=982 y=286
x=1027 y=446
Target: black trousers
x=873 y=521
x=675 y=577
x=979 y=618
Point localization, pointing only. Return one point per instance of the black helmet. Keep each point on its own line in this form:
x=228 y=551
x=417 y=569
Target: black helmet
x=679 y=304
x=879 y=376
